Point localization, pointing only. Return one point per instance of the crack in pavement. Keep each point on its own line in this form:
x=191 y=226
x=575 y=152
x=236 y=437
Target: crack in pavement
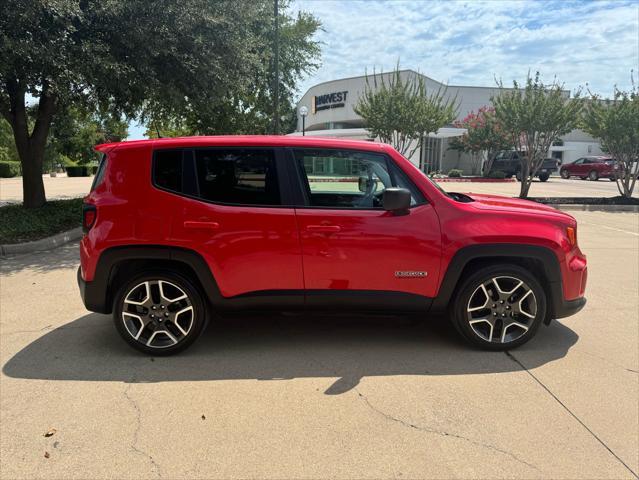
x=138 y=427
x=518 y=362
x=428 y=429
x=443 y=433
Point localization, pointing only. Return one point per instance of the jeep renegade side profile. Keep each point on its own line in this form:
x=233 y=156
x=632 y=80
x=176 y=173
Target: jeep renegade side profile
x=179 y=229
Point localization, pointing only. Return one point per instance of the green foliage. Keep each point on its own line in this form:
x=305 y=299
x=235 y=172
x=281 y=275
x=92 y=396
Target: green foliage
x=497 y=174
x=9 y=169
x=8 y=150
x=455 y=173
x=533 y=117
x=19 y=224
x=616 y=123
x=249 y=109
x=75 y=132
x=399 y=110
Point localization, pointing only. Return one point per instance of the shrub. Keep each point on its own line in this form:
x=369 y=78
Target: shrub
x=497 y=174
x=66 y=161
x=9 y=169
x=455 y=173
x=78 y=171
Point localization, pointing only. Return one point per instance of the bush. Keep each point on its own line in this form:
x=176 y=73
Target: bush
x=19 y=224
x=78 y=171
x=10 y=169
x=455 y=173
x=66 y=161
x=497 y=174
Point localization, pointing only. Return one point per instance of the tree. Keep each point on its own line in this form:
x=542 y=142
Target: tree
x=76 y=131
x=399 y=111
x=483 y=134
x=533 y=117
x=250 y=110
x=129 y=57
x=616 y=123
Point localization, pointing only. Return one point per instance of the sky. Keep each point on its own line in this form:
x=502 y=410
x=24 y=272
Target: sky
x=593 y=45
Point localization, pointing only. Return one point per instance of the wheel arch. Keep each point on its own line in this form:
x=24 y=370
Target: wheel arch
x=541 y=261
x=117 y=264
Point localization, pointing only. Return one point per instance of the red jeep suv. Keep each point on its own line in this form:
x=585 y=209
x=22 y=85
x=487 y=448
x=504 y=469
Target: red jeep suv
x=179 y=229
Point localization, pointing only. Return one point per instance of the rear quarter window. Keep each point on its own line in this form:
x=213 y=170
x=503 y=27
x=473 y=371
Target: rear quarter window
x=167 y=170
x=99 y=175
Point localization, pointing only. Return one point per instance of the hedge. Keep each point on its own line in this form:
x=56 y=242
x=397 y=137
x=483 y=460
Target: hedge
x=78 y=171
x=10 y=169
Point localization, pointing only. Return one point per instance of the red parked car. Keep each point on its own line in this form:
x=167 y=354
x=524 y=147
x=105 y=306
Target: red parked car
x=592 y=168
x=179 y=229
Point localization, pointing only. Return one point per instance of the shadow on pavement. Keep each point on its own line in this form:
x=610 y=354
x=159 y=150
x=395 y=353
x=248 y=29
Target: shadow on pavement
x=277 y=347
x=65 y=256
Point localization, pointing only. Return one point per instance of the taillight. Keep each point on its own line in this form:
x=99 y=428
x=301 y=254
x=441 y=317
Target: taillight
x=571 y=233
x=89 y=214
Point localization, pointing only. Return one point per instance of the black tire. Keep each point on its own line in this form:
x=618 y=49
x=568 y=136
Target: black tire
x=460 y=304
x=593 y=176
x=565 y=174
x=518 y=176
x=543 y=177
x=613 y=179
x=196 y=318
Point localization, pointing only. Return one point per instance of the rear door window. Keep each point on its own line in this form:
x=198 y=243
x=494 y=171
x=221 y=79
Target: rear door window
x=237 y=176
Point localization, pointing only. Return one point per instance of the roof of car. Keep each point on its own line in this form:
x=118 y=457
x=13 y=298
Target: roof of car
x=245 y=141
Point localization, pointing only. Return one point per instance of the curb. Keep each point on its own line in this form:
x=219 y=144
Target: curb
x=43 y=244
x=595 y=208
x=474 y=180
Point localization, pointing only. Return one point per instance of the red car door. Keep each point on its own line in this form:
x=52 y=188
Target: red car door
x=232 y=216
x=349 y=242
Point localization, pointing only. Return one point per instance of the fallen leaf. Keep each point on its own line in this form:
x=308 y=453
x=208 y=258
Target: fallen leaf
x=50 y=432
x=203 y=417
x=152 y=359
x=46 y=455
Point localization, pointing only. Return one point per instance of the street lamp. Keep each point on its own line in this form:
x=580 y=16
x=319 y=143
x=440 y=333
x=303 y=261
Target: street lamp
x=303 y=113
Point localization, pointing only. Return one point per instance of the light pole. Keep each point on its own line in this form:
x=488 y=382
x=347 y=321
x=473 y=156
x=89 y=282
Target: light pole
x=303 y=113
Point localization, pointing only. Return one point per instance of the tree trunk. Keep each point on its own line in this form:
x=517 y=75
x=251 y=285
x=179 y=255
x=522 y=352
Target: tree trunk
x=30 y=147
x=526 y=180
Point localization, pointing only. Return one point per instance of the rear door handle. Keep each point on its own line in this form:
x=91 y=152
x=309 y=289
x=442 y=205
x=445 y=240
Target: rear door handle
x=323 y=228
x=192 y=225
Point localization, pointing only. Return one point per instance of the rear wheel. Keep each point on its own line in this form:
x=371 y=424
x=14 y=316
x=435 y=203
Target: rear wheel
x=544 y=177
x=593 y=175
x=565 y=174
x=159 y=313
x=518 y=176
x=499 y=307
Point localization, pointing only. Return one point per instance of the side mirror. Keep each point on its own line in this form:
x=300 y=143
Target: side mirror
x=396 y=200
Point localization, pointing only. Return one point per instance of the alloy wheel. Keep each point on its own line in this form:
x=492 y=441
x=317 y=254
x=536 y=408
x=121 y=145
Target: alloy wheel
x=501 y=309
x=157 y=313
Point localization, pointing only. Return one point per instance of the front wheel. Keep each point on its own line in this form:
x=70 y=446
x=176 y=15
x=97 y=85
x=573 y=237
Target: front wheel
x=544 y=177
x=499 y=307
x=159 y=313
x=565 y=174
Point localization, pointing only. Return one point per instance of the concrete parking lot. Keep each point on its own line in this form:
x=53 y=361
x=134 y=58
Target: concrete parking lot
x=321 y=397
x=65 y=187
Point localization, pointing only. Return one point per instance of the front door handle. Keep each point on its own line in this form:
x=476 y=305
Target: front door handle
x=193 y=225
x=323 y=228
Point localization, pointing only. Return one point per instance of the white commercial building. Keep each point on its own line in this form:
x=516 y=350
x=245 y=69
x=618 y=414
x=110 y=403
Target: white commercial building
x=330 y=112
